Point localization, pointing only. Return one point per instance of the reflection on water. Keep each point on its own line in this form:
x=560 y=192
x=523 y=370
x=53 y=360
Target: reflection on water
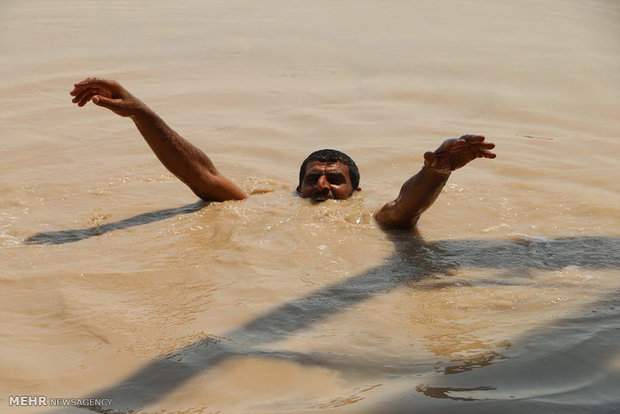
x=442 y=392
x=557 y=367
x=469 y=364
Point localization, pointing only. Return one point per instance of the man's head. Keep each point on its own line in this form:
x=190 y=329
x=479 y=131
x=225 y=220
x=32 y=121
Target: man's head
x=326 y=174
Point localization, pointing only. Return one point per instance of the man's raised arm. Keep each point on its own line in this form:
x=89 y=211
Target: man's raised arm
x=420 y=191
x=184 y=160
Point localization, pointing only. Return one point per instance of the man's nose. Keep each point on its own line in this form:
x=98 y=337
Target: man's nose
x=322 y=182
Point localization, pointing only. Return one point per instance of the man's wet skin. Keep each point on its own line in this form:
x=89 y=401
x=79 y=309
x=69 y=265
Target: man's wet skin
x=325 y=181
x=325 y=177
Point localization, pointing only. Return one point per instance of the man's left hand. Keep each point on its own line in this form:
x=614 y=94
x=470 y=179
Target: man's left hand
x=455 y=153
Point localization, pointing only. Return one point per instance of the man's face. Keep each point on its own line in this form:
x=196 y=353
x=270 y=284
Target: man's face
x=325 y=180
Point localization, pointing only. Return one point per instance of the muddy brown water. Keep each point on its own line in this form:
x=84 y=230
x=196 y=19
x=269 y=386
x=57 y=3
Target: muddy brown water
x=117 y=283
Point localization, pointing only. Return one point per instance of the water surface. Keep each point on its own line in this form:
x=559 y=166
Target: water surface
x=117 y=282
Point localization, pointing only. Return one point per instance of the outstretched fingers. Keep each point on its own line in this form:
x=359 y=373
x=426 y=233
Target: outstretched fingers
x=485 y=145
x=476 y=144
x=472 y=139
x=480 y=147
x=459 y=144
x=107 y=102
x=98 y=83
x=483 y=151
x=102 y=86
x=85 y=98
x=84 y=95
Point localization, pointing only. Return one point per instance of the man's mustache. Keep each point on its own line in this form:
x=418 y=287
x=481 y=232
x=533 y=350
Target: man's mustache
x=324 y=194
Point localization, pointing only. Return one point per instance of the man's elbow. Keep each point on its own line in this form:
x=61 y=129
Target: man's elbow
x=387 y=217
x=217 y=188
x=220 y=197
x=396 y=224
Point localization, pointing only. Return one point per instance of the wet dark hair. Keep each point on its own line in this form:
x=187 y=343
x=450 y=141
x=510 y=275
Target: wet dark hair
x=331 y=155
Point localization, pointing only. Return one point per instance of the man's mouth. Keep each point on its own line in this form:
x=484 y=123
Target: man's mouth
x=320 y=197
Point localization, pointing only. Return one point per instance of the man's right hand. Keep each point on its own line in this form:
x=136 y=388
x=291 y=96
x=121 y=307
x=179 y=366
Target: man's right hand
x=109 y=94
x=180 y=157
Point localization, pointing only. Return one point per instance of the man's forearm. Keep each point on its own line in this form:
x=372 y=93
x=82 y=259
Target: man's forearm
x=181 y=158
x=416 y=195
x=184 y=160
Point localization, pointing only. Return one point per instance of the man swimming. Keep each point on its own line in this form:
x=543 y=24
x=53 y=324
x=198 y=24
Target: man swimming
x=325 y=174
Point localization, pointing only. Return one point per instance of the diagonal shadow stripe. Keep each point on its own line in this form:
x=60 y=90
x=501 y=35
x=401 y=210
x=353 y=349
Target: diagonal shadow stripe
x=70 y=236
x=533 y=253
x=412 y=260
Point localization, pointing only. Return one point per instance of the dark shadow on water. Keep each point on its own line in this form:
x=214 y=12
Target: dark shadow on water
x=412 y=260
x=70 y=236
